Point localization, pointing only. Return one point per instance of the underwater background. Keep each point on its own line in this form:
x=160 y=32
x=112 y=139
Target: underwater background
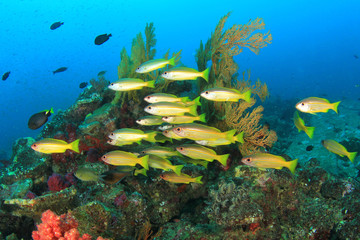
x=304 y=161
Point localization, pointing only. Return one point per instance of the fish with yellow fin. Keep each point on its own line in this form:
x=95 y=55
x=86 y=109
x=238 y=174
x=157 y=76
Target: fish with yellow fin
x=183 y=178
x=170 y=108
x=337 y=148
x=184 y=119
x=185 y=73
x=155 y=64
x=222 y=94
x=164 y=164
x=150 y=120
x=267 y=160
x=132 y=135
x=315 y=105
x=222 y=141
x=161 y=151
x=300 y=125
x=200 y=152
x=128 y=84
x=195 y=131
x=122 y=158
x=164 y=97
x=51 y=145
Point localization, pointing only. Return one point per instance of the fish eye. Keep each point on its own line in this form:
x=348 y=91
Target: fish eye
x=143 y=152
x=165 y=117
x=166 y=131
x=138 y=68
x=181 y=148
x=206 y=92
x=103 y=157
x=34 y=145
x=165 y=73
x=111 y=84
x=149 y=108
x=112 y=134
x=248 y=160
x=178 y=129
x=302 y=104
x=148 y=97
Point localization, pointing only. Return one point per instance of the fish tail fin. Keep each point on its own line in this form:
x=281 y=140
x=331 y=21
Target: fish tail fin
x=193 y=110
x=205 y=74
x=247 y=96
x=184 y=99
x=352 y=156
x=229 y=135
x=151 y=84
x=52 y=110
x=75 y=146
x=151 y=137
x=202 y=118
x=197 y=101
x=143 y=161
x=205 y=164
x=110 y=35
x=292 y=166
x=223 y=159
x=240 y=137
x=335 y=106
x=140 y=171
x=172 y=61
x=310 y=131
x=198 y=179
x=177 y=169
x=54 y=72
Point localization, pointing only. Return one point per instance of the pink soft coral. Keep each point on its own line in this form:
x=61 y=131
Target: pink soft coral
x=54 y=227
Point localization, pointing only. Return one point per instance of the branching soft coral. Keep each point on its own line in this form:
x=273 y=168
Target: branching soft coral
x=62 y=227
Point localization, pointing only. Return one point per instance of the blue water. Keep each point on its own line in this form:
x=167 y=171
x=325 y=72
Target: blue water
x=314 y=43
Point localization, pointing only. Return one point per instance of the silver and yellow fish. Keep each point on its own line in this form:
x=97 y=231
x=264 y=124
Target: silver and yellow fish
x=196 y=131
x=222 y=94
x=315 y=105
x=164 y=97
x=337 y=148
x=51 y=145
x=300 y=125
x=122 y=158
x=170 y=108
x=184 y=119
x=155 y=64
x=267 y=160
x=128 y=84
x=222 y=141
x=200 y=152
x=150 y=120
x=132 y=135
x=164 y=164
x=183 y=178
x=185 y=73
x=160 y=151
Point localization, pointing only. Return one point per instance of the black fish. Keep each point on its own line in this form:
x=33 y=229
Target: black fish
x=83 y=85
x=101 y=73
x=102 y=38
x=5 y=76
x=39 y=119
x=55 y=25
x=62 y=69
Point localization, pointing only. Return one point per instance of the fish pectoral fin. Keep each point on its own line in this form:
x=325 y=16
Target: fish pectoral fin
x=263 y=169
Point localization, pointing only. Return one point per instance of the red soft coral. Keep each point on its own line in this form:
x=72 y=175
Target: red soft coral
x=54 y=227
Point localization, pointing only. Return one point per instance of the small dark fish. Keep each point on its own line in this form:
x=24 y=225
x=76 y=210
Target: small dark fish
x=39 y=119
x=5 y=76
x=356 y=56
x=62 y=69
x=102 y=38
x=93 y=155
x=55 y=25
x=83 y=85
x=101 y=73
x=115 y=175
x=309 y=148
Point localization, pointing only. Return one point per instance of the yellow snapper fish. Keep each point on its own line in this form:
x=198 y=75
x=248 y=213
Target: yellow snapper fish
x=183 y=178
x=164 y=97
x=338 y=149
x=109 y=177
x=132 y=135
x=150 y=120
x=51 y=145
x=160 y=151
x=127 y=84
x=315 y=105
x=171 y=134
x=185 y=73
x=170 y=108
x=164 y=164
x=221 y=94
x=155 y=64
x=122 y=158
x=267 y=160
x=119 y=143
x=300 y=125
x=222 y=141
x=184 y=119
x=200 y=152
x=196 y=131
